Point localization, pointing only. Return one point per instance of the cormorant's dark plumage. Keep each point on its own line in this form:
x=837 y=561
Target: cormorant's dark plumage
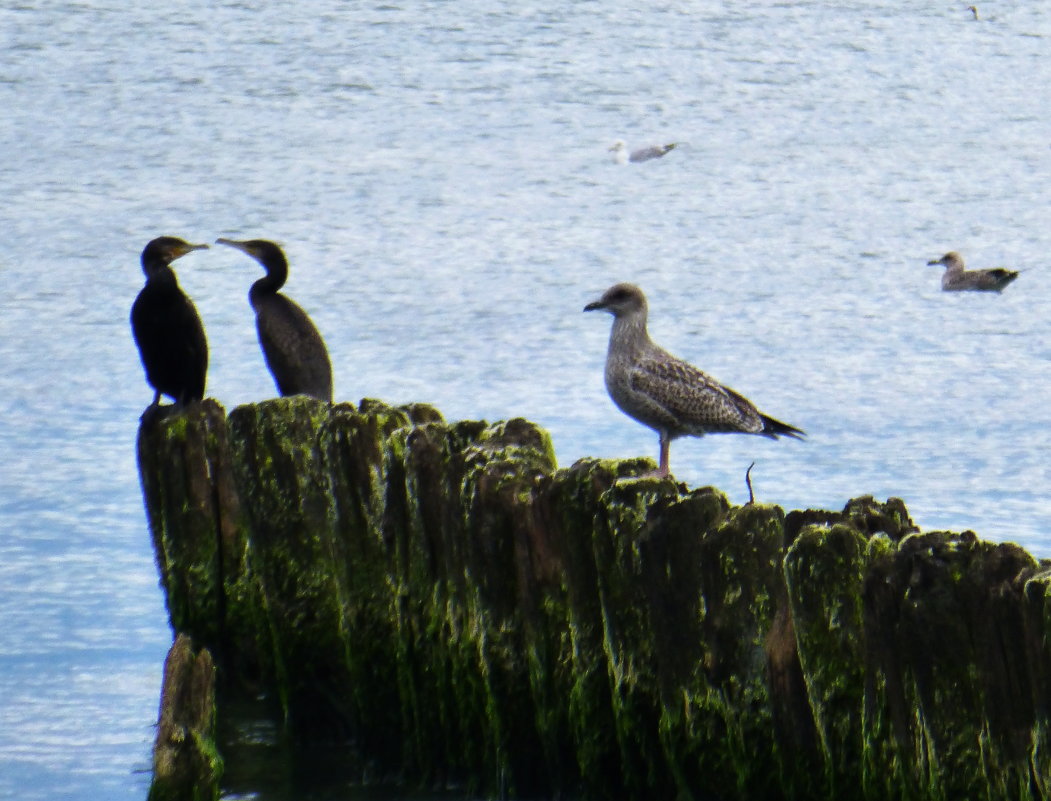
x=167 y=328
x=294 y=350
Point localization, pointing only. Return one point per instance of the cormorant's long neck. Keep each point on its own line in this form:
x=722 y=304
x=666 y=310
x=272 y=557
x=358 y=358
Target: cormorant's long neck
x=276 y=274
x=159 y=272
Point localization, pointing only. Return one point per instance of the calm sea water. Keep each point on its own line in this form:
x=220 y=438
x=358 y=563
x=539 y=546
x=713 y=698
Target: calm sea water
x=438 y=174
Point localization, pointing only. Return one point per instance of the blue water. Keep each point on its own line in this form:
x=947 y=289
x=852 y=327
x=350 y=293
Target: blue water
x=438 y=174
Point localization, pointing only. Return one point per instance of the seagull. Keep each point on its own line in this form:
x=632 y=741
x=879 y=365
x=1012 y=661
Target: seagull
x=621 y=155
x=672 y=397
x=957 y=279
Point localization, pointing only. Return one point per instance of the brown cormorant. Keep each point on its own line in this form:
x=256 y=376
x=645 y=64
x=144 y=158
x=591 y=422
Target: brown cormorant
x=167 y=328
x=294 y=350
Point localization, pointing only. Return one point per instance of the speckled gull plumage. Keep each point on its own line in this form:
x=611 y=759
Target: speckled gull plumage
x=621 y=154
x=665 y=393
x=958 y=279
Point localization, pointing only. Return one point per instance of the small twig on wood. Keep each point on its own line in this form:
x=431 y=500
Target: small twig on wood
x=748 y=481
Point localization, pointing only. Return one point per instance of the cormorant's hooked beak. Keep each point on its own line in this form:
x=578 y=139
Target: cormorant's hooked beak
x=247 y=246
x=189 y=247
x=234 y=243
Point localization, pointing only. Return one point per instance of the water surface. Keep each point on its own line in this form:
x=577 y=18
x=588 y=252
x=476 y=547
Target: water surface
x=438 y=175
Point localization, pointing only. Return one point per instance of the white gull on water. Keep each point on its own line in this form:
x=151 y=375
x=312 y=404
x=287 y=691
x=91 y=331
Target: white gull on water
x=672 y=397
x=621 y=154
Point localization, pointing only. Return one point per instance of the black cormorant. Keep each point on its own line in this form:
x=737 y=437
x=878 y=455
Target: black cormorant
x=294 y=350
x=167 y=328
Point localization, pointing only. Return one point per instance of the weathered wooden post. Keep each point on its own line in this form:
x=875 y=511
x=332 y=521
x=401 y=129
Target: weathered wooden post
x=446 y=602
x=186 y=764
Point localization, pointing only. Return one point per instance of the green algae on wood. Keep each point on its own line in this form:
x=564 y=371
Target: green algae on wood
x=577 y=687
x=186 y=764
x=178 y=456
x=279 y=465
x=945 y=615
x=722 y=589
x=353 y=440
x=200 y=535
x=461 y=611
x=451 y=536
x=824 y=569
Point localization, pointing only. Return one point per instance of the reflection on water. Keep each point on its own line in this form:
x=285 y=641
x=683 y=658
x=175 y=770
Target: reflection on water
x=439 y=177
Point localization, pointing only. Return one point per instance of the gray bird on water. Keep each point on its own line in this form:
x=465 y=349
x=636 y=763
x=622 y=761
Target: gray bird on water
x=957 y=279
x=293 y=348
x=672 y=397
x=621 y=154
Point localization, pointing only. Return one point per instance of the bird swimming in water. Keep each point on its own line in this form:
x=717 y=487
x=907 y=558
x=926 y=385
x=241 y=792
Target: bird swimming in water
x=957 y=279
x=167 y=328
x=292 y=346
x=621 y=155
x=672 y=397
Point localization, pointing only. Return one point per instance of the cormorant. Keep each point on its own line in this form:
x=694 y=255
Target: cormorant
x=672 y=397
x=294 y=350
x=167 y=328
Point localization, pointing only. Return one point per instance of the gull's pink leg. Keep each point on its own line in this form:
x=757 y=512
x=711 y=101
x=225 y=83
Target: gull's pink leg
x=663 y=470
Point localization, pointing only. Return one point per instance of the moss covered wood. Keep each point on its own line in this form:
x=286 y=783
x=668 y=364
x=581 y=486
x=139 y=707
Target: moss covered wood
x=455 y=608
x=186 y=764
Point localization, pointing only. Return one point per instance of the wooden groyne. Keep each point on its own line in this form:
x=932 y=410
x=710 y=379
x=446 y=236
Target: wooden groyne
x=442 y=599
x=186 y=765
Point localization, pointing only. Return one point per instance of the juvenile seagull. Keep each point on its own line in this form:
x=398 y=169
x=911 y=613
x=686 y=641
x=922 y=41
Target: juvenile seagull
x=670 y=396
x=621 y=155
x=956 y=278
